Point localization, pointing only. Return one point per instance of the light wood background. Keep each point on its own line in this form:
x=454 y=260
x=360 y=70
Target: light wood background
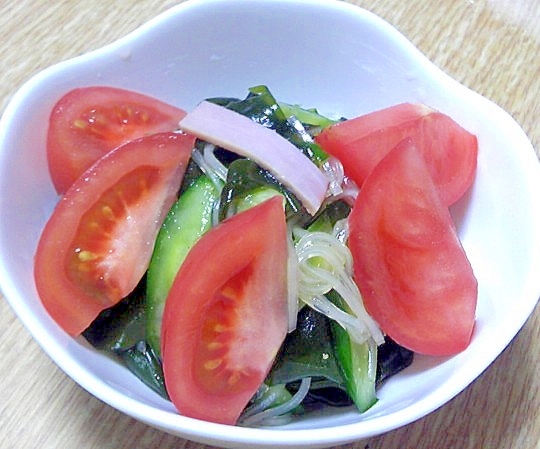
x=492 y=46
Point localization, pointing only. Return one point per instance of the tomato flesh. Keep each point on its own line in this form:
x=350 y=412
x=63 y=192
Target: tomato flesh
x=449 y=150
x=98 y=241
x=226 y=315
x=88 y=122
x=412 y=271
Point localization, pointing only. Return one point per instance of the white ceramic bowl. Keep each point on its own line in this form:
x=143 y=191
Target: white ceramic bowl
x=326 y=54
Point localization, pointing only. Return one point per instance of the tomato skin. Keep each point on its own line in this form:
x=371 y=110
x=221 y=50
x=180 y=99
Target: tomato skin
x=88 y=122
x=449 y=150
x=226 y=315
x=98 y=241
x=411 y=269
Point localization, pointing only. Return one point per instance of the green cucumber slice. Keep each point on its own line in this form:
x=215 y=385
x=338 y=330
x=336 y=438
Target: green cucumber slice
x=189 y=218
x=358 y=361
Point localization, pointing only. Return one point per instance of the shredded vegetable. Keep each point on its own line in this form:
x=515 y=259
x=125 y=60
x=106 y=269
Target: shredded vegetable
x=325 y=263
x=268 y=416
x=210 y=165
x=214 y=169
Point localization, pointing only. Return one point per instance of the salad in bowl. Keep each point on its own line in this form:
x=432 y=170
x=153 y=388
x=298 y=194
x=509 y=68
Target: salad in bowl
x=264 y=219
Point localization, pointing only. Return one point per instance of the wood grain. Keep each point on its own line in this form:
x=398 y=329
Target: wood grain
x=492 y=46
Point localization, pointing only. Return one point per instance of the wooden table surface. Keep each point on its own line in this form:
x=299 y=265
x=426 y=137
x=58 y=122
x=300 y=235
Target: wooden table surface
x=492 y=46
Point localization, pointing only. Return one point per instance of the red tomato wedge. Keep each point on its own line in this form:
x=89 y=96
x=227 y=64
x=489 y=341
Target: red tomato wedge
x=226 y=315
x=98 y=241
x=88 y=122
x=449 y=150
x=412 y=271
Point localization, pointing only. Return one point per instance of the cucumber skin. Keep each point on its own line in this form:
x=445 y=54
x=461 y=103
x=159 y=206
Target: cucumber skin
x=358 y=361
x=254 y=197
x=189 y=218
x=359 y=365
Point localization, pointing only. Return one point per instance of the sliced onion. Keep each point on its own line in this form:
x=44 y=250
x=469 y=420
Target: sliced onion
x=239 y=134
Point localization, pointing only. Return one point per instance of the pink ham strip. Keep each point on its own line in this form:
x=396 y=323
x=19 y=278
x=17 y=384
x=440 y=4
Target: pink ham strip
x=230 y=130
